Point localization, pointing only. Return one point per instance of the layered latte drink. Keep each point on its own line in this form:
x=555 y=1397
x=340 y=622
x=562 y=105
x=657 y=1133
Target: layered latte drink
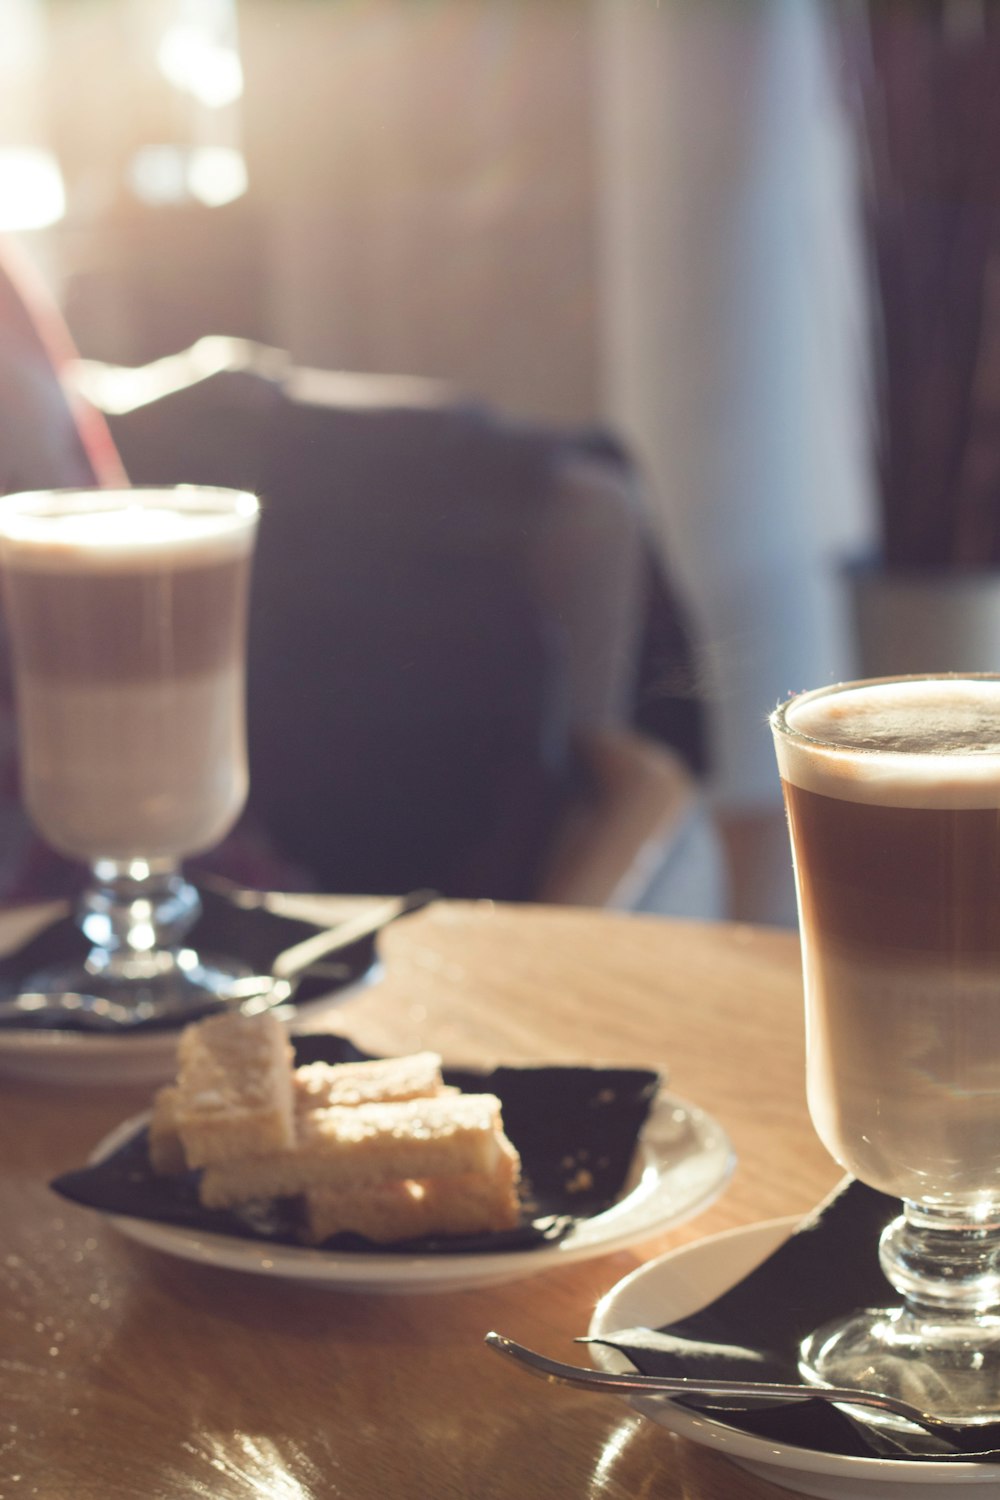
x=893 y=798
x=127 y=623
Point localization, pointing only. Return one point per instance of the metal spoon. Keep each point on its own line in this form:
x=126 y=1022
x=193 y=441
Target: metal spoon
x=251 y=995
x=632 y=1383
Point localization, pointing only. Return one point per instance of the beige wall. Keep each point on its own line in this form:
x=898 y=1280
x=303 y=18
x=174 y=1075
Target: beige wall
x=426 y=175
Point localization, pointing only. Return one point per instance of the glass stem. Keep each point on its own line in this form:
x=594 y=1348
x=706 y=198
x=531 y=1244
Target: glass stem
x=944 y=1259
x=136 y=914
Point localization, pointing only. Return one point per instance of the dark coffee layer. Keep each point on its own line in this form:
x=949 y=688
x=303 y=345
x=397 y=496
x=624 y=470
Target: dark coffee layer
x=898 y=882
x=120 y=626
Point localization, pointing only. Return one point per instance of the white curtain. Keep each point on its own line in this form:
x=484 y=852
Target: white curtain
x=736 y=335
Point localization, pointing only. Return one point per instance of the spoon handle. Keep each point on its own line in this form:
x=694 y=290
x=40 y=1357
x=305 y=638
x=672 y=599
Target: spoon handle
x=295 y=960
x=629 y=1382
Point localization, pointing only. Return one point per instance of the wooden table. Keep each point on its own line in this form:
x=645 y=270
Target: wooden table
x=129 y=1375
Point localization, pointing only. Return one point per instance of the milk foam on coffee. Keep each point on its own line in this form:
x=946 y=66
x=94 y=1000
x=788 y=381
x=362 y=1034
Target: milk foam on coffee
x=913 y=743
x=893 y=799
x=129 y=536
x=127 y=625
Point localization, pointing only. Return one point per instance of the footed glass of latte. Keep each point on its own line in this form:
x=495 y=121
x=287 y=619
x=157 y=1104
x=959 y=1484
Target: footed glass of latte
x=892 y=789
x=127 y=614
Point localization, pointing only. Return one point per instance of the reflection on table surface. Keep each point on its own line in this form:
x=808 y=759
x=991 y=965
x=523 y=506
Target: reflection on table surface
x=124 y=1372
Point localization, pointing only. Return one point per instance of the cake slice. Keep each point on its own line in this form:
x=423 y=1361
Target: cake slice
x=468 y=1203
x=234 y=1094
x=382 y=1148
x=353 y=1147
x=325 y=1085
x=166 y=1150
x=314 y=1086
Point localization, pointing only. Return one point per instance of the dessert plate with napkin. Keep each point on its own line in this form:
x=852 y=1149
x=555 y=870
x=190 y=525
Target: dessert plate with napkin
x=608 y=1157
x=735 y=1307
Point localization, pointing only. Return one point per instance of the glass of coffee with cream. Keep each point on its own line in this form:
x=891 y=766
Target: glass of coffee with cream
x=892 y=790
x=127 y=618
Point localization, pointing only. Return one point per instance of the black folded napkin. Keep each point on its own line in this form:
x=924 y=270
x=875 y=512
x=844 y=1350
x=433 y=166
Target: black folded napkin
x=576 y=1129
x=234 y=923
x=827 y=1269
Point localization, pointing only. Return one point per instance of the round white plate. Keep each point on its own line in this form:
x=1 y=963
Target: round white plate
x=683 y=1161
x=77 y=1057
x=143 y=1057
x=682 y=1282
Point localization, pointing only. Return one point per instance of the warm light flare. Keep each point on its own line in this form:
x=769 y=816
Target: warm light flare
x=213 y=175
x=32 y=194
x=195 y=64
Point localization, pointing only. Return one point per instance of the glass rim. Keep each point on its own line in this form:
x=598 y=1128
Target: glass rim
x=778 y=718
x=79 y=499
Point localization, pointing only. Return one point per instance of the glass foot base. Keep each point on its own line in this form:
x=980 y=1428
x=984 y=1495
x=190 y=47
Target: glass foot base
x=949 y=1366
x=140 y=988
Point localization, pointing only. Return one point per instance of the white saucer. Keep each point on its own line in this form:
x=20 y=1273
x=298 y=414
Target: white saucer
x=141 y=1058
x=683 y=1161
x=77 y=1057
x=678 y=1284
x=145 y=1057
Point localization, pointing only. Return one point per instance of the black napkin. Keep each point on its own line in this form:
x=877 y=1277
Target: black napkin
x=234 y=922
x=576 y=1129
x=827 y=1269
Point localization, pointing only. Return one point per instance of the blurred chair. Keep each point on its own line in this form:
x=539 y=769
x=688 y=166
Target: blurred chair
x=449 y=618
x=449 y=615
